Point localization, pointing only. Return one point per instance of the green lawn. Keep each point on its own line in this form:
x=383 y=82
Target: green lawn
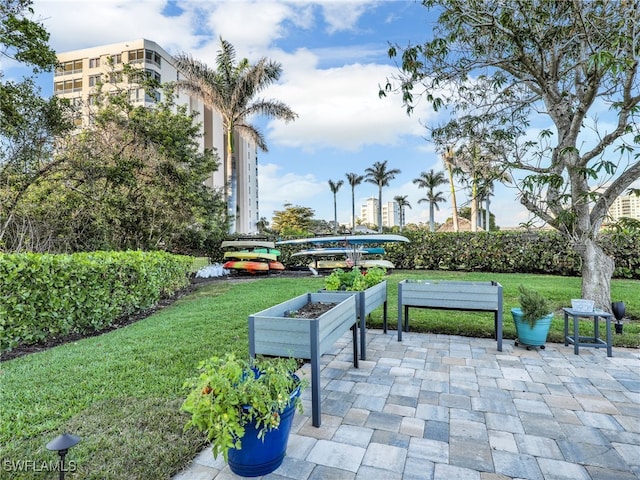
x=121 y=391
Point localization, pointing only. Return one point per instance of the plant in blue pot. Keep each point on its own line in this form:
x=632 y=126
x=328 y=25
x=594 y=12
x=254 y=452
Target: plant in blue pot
x=246 y=407
x=532 y=319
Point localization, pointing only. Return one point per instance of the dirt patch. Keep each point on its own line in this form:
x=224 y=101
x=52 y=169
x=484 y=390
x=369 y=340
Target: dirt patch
x=311 y=310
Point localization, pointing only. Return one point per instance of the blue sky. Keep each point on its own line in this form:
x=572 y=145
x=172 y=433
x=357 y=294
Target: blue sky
x=333 y=56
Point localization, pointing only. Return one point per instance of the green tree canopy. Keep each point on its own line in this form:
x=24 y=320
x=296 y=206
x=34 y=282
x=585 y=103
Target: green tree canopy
x=28 y=122
x=503 y=63
x=133 y=179
x=294 y=220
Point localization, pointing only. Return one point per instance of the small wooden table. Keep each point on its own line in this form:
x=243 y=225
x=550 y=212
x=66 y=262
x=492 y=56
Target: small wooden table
x=595 y=341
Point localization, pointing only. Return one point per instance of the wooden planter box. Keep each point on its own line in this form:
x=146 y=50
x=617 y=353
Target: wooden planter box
x=366 y=302
x=450 y=295
x=271 y=332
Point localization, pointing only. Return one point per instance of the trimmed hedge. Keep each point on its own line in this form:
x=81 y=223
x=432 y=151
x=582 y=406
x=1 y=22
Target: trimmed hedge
x=44 y=296
x=509 y=252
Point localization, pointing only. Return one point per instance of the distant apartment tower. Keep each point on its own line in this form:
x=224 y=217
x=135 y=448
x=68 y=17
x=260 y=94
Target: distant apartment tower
x=390 y=213
x=625 y=206
x=80 y=72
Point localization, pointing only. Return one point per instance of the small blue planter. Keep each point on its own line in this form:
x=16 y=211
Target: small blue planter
x=257 y=456
x=530 y=336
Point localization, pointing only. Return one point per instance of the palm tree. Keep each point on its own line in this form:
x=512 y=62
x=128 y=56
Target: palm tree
x=335 y=186
x=470 y=165
x=230 y=89
x=486 y=189
x=448 y=158
x=431 y=180
x=353 y=179
x=402 y=202
x=262 y=224
x=380 y=176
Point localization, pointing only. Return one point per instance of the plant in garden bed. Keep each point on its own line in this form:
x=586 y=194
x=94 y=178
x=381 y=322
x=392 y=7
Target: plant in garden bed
x=354 y=280
x=231 y=392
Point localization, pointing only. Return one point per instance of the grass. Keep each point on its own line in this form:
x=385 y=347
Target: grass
x=121 y=391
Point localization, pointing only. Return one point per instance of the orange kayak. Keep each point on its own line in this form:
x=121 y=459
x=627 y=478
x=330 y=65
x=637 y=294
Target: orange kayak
x=275 y=265
x=247 y=266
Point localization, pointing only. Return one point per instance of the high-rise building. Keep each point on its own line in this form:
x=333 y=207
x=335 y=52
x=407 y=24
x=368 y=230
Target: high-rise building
x=390 y=213
x=81 y=72
x=625 y=206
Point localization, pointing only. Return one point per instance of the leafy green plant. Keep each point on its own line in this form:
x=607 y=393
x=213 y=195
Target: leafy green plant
x=231 y=392
x=53 y=295
x=354 y=280
x=533 y=305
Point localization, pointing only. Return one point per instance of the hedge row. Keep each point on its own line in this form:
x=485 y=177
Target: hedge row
x=44 y=296
x=509 y=252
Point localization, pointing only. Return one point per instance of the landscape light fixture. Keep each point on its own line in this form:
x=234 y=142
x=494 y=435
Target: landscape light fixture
x=62 y=444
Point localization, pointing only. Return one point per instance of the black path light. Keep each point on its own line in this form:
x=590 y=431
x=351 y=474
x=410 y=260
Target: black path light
x=62 y=444
x=618 y=309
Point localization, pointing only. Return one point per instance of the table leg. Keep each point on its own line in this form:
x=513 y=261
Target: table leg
x=576 y=335
x=596 y=328
x=384 y=310
x=399 y=318
x=354 y=329
x=566 y=328
x=363 y=328
x=406 y=318
x=609 y=339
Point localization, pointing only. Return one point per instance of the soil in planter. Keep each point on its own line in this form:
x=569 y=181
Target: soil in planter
x=311 y=310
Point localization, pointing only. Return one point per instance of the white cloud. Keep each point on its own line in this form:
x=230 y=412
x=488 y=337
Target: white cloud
x=342 y=15
x=277 y=188
x=249 y=26
x=339 y=107
x=73 y=25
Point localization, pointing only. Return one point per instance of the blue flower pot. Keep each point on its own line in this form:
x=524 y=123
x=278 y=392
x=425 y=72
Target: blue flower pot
x=530 y=336
x=257 y=456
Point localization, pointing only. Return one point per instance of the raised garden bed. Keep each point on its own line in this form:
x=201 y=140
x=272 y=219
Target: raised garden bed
x=278 y=331
x=450 y=295
x=366 y=302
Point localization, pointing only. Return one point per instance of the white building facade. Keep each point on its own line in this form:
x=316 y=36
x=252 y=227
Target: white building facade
x=81 y=72
x=390 y=213
x=625 y=206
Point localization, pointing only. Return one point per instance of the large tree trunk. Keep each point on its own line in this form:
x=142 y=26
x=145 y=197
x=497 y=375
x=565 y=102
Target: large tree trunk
x=454 y=204
x=597 y=270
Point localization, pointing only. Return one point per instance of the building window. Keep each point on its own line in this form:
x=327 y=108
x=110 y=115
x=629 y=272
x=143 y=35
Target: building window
x=94 y=80
x=152 y=96
x=93 y=99
x=136 y=95
x=117 y=58
x=153 y=57
x=153 y=75
x=115 y=77
x=94 y=62
x=68 y=86
x=136 y=56
x=68 y=68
